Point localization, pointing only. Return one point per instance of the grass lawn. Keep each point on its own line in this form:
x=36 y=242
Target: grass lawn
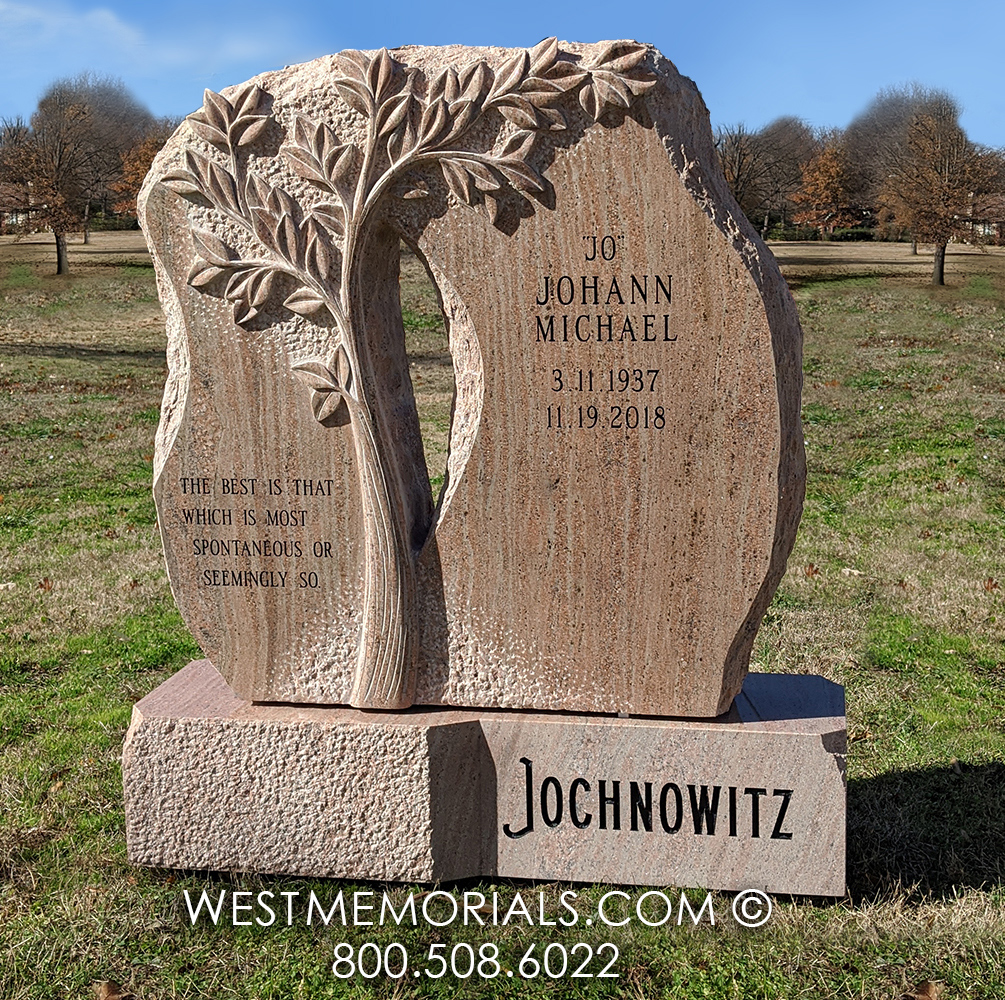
x=896 y=589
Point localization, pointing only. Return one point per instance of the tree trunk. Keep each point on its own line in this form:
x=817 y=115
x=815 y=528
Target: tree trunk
x=62 y=259
x=396 y=499
x=939 y=271
x=87 y=222
x=914 y=247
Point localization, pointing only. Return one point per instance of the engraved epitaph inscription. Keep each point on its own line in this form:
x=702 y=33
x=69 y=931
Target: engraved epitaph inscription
x=625 y=469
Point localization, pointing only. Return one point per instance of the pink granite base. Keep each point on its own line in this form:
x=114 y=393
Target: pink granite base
x=752 y=799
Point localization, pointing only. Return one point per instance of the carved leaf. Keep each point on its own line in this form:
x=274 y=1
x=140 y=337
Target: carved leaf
x=492 y=208
x=434 y=119
x=355 y=95
x=518 y=145
x=287 y=239
x=590 y=101
x=620 y=57
x=244 y=312
x=210 y=133
x=280 y=203
x=222 y=186
x=344 y=173
x=237 y=286
x=305 y=164
x=460 y=182
x=249 y=128
x=240 y=291
x=509 y=75
x=256 y=191
x=540 y=92
x=210 y=248
x=182 y=182
x=216 y=110
x=216 y=182
x=566 y=74
x=331 y=216
x=521 y=175
x=203 y=273
x=318 y=257
x=452 y=88
x=612 y=89
x=381 y=75
x=263 y=225
x=543 y=55
x=315 y=374
x=437 y=88
x=522 y=115
x=354 y=64
x=343 y=370
x=552 y=118
x=327 y=404
x=305 y=302
x=604 y=90
x=474 y=80
x=260 y=286
x=484 y=179
x=333 y=152
x=249 y=101
x=638 y=87
x=392 y=113
x=462 y=114
x=303 y=134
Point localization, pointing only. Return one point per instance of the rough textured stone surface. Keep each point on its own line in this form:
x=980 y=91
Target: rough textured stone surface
x=620 y=499
x=215 y=782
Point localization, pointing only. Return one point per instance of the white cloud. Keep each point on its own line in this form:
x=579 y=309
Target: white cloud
x=33 y=27
x=42 y=42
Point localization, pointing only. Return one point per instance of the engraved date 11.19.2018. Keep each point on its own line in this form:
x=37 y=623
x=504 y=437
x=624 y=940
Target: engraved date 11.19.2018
x=646 y=415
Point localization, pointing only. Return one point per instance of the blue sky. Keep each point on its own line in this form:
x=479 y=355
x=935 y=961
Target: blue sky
x=752 y=61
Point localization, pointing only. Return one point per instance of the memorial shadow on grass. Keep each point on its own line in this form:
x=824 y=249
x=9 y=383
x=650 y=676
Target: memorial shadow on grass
x=927 y=832
x=81 y=352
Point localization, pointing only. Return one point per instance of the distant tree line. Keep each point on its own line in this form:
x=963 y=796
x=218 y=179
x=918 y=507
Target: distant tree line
x=81 y=156
x=903 y=169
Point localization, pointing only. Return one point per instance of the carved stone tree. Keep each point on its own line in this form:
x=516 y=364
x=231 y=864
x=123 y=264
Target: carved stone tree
x=476 y=127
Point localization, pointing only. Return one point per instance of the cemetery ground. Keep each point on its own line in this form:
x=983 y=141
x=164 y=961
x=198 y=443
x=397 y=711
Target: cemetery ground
x=896 y=589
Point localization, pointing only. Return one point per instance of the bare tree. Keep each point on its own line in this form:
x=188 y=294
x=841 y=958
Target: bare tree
x=788 y=144
x=763 y=169
x=71 y=151
x=934 y=177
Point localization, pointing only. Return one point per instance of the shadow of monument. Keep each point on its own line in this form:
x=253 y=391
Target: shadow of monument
x=927 y=832
x=464 y=791
x=83 y=352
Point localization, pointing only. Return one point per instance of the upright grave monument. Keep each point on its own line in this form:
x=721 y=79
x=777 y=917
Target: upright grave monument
x=543 y=673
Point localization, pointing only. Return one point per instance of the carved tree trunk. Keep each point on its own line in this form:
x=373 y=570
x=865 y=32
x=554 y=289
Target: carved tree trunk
x=384 y=676
x=396 y=498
